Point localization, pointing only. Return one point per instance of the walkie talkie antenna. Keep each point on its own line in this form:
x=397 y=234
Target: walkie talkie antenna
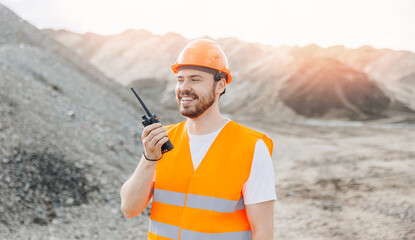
x=151 y=119
x=141 y=101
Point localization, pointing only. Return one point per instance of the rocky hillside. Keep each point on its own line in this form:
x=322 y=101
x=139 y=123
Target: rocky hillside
x=323 y=86
x=386 y=67
x=260 y=72
x=69 y=137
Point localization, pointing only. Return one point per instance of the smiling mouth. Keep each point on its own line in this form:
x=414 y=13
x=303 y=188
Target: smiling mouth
x=187 y=100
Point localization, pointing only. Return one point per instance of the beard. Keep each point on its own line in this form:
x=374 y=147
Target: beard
x=203 y=103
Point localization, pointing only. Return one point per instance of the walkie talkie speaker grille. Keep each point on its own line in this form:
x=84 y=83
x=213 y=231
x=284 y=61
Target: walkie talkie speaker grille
x=168 y=146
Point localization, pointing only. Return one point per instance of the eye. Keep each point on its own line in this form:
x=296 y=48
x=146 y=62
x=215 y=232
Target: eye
x=195 y=79
x=180 y=80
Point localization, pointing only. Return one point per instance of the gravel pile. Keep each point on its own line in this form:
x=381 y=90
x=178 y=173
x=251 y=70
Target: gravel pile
x=33 y=183
x=69 y=138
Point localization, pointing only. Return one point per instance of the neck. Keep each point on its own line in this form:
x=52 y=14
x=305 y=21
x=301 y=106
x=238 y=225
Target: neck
x=208 y=122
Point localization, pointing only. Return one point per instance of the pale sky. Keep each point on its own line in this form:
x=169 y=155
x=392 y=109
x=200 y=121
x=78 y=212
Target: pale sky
x=353 y=23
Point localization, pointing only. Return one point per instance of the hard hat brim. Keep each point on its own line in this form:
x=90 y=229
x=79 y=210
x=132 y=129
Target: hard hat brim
x=175 y=68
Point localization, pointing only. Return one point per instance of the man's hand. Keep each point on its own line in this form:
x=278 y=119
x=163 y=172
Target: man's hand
x=153 y=137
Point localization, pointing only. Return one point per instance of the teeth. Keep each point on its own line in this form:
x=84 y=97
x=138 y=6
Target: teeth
x=187 y=99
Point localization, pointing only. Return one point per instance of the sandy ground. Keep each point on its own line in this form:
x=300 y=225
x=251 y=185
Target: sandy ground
x=342 y=180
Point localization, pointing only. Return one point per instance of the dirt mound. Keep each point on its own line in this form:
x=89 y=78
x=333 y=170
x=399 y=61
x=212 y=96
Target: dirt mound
x=125 y=57
x=33 y=183
x=326 y=86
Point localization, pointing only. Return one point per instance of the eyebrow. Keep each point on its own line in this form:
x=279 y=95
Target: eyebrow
x=196 y=76
x=190 y=76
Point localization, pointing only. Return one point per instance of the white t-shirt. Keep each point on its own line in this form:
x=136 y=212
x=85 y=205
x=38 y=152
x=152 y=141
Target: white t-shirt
x=260 y=186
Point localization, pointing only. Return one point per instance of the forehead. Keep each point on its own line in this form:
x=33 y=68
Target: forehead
x=192 y=72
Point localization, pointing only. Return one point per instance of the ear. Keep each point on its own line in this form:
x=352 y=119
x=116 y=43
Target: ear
x=220 y=86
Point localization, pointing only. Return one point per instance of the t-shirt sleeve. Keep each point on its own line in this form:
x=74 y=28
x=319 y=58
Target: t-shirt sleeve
x=260 y=186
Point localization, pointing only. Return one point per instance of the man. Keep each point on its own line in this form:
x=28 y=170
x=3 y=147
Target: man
x=218 y=181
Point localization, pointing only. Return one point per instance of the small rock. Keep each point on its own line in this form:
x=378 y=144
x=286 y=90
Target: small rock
x=51 y=213
x=114 y=210
x=56 y=221
x=69 y=201
x=40 y=221
x=71 y=113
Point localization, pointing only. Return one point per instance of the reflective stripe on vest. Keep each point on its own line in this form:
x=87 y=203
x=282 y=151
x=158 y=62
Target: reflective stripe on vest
x=198 y=201
x=164 y=230
x=172 y=232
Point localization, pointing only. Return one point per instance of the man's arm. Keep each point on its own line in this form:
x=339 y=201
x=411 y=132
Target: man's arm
x=259 y=194
x=138 y=189
x=261 y=219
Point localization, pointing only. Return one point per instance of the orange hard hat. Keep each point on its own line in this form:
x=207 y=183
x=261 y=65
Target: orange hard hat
x=203 y=53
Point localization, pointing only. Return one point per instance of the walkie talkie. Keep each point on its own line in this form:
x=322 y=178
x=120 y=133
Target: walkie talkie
x=150 y=119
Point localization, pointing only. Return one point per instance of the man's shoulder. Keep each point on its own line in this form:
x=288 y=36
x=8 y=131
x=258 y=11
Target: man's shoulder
x=247 y=130
x=254 y=135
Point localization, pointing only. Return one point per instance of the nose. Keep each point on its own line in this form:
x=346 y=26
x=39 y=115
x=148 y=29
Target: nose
x=186 y=85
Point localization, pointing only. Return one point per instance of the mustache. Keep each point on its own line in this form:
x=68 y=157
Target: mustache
x=188 y=94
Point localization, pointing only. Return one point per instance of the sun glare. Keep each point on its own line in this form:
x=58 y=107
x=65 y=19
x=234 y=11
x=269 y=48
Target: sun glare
x=352 y=23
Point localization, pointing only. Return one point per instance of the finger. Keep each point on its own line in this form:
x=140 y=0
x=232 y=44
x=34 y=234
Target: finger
x=157 y=138
x=161 y=142
x=149 y=128
x=155 y=131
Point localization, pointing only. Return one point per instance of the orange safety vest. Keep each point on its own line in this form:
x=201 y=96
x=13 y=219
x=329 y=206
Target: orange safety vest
x=206 y=203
